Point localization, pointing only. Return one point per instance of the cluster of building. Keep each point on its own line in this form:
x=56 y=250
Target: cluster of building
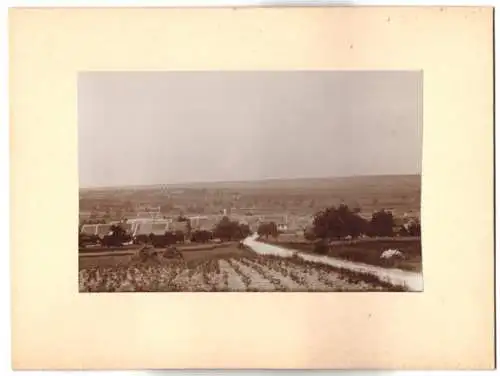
x=154 y=222
x=151 y=221
x=137 y=226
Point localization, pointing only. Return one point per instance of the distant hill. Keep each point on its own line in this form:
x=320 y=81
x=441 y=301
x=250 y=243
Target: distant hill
x=296 y=183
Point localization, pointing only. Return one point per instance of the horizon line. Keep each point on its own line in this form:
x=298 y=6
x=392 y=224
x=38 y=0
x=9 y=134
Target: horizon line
x=242 y=181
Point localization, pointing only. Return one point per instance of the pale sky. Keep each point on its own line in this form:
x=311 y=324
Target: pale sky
x=171 y=127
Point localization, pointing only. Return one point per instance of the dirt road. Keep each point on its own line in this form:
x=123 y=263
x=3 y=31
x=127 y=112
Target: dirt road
x=411 y=280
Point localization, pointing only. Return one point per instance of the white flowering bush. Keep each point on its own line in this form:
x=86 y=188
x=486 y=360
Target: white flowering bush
x=392 y=254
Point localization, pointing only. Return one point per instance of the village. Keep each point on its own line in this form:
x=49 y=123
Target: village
x=150 y=223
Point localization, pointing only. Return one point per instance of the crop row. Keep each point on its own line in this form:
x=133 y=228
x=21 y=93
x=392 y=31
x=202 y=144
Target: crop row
x=265 y=273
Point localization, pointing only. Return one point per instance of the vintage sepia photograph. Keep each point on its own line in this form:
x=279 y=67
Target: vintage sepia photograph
x=257 y=176
x=250 y=181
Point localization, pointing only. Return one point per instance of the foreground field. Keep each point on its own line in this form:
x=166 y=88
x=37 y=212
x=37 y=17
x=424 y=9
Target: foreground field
x=235 y=272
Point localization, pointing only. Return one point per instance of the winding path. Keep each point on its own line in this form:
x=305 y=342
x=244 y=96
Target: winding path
x=411 y=280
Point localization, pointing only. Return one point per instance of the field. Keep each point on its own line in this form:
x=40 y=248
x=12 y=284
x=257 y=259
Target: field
x=367 y=251
x=192 y=254
x=223 y=269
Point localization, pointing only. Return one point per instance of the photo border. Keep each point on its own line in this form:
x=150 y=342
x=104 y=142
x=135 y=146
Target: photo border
x=55 y=327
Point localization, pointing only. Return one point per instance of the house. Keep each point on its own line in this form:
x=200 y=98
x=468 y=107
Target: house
x=146 y=228
x=103 y=229
x=206 y=223
x=282 y=227
x=89 y=229
x=177 y=226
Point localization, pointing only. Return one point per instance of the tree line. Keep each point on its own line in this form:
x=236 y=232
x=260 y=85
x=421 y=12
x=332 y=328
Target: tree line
x=340 y=222
x=337 y=222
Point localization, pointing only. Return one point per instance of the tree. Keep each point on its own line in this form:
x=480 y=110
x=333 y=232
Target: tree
x=117 y=237
x=170 y=237
x=338 y=222
x=414 y=229
x=273 y=230
x=223 y=229
x=141 y=239
x=201 y=236
x=244 y=230
x=262 y=230
x=357 y=225
x=179 y=236
x=227 y=230
x=403 y=231
x=118 y=231
x=268 y=229
x=382 y=223
x=309 y=234
x=182 y=218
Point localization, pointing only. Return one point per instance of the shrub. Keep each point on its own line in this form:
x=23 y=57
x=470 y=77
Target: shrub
x=141 y=239
x=309 y=234
x=201 y=236
x=414 y=229
x=227 y=230
x=321 y=248
x=147 y=255
x=268 y=229
x=382 y=223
